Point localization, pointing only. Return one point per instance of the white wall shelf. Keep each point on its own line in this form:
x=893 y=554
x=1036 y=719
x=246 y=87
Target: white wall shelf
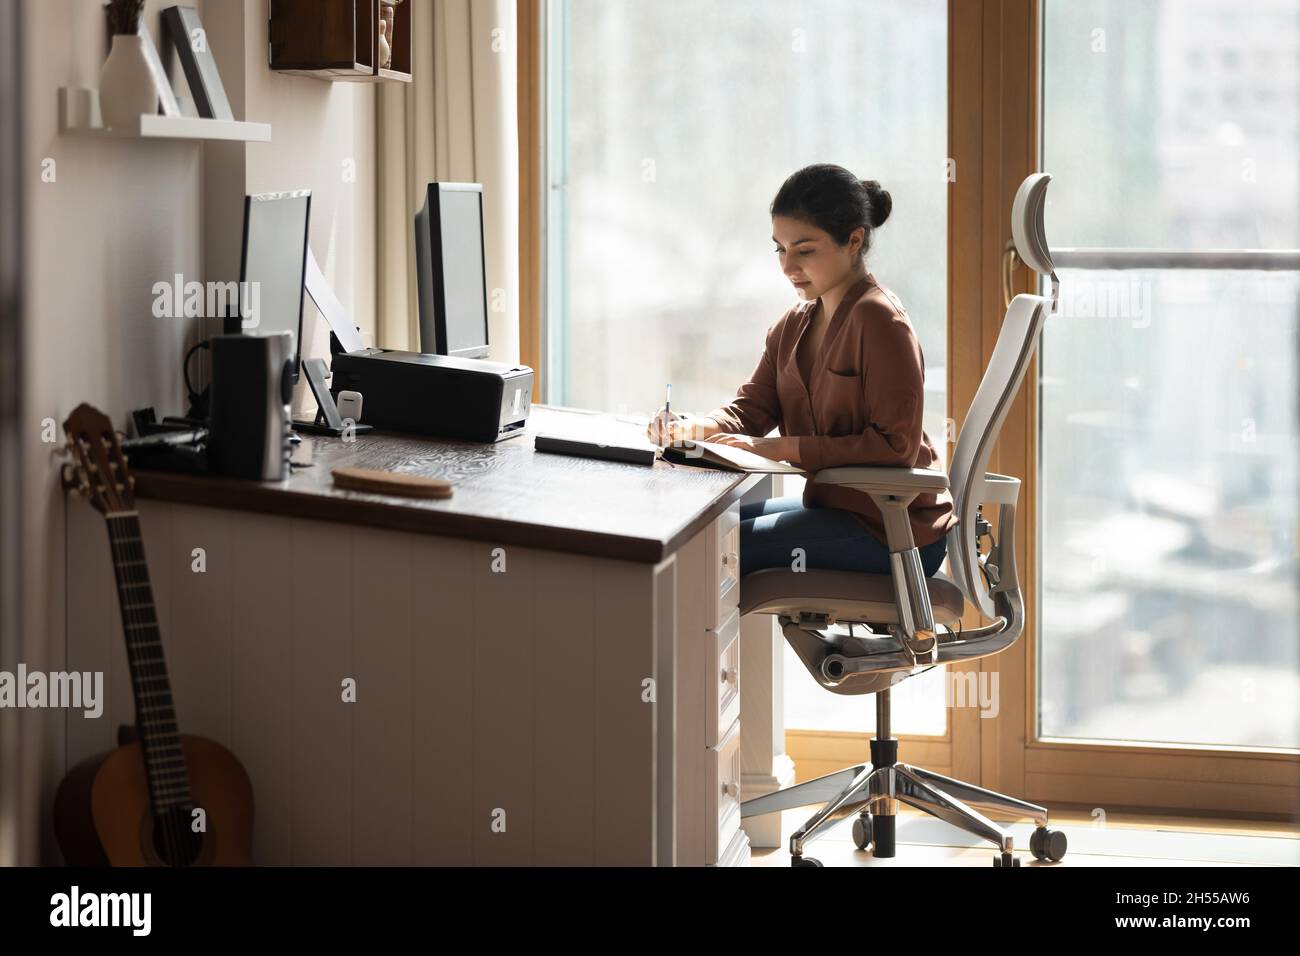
x=79 y=114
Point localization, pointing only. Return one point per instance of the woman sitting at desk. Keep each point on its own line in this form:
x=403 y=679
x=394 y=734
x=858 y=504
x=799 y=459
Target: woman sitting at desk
x=842 y=374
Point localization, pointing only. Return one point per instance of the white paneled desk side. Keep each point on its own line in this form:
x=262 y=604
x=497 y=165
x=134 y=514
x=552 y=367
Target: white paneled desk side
x=473 y=694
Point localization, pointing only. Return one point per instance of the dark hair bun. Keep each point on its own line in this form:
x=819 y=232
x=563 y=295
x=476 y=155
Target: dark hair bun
x=881 y=202
x=834 y=200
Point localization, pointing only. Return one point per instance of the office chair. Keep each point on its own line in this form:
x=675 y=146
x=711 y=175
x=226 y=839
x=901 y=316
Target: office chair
x=901 y=610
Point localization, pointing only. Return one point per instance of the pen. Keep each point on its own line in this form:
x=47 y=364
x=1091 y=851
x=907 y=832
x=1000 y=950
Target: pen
x=668 y=398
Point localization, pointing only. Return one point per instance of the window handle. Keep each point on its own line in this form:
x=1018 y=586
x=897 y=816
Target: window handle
x=1010 y=263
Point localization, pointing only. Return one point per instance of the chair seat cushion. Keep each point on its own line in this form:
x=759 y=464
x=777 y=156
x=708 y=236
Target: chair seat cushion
x=844 y=595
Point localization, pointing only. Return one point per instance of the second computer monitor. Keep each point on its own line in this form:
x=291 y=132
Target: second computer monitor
x=452 y=280
x=273 y=265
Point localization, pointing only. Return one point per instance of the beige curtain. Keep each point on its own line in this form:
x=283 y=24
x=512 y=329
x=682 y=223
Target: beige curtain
x=456 y=121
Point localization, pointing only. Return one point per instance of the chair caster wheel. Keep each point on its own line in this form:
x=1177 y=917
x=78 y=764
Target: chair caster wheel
x=1006 y=859
x=804 y=861
x=1047 y=844
x=862 y=831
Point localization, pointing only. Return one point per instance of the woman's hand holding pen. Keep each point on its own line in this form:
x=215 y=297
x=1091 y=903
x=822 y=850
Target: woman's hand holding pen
x=669 y=428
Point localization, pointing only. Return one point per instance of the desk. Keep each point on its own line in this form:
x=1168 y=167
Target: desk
x=545 y=664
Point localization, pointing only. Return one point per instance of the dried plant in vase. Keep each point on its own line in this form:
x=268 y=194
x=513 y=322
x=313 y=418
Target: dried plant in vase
x=126 y=85
x=124 y=16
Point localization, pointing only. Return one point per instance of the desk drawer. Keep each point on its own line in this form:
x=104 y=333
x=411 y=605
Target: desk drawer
x=724 y=565
x=722 y=705
x=724 y=762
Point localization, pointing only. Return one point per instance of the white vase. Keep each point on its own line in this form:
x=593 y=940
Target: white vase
x=126 y=87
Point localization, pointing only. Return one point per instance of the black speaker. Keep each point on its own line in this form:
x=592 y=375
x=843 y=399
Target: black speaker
x=252 y=386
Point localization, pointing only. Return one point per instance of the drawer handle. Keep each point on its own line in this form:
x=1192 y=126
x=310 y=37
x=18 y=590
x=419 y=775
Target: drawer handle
x=732 y=790
x=730 y=675
x=730 y=559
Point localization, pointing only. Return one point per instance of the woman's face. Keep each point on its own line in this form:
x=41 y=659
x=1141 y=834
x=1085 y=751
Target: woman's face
x=811 y=260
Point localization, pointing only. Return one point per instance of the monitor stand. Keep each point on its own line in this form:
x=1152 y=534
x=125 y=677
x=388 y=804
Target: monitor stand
x=328 y=420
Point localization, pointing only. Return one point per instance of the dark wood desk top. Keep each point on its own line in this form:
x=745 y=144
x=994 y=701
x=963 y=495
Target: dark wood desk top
x=505 y=492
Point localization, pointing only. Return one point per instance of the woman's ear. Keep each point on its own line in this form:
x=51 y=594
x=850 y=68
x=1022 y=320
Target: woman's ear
x=856 y=238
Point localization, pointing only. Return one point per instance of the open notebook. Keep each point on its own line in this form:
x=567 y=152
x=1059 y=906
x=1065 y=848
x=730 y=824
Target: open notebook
x=727 y=457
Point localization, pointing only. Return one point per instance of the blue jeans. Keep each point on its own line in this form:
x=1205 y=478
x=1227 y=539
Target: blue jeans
x=830 y=537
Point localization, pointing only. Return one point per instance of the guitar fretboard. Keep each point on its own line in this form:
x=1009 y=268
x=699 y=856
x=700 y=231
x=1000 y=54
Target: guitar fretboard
x=155 y=713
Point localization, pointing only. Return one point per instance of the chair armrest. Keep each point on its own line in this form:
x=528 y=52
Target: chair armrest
x=893 y=489
x=1001 y=489
x=892 y=481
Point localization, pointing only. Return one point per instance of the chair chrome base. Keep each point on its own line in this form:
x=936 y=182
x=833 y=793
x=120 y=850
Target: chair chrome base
x=873 y=793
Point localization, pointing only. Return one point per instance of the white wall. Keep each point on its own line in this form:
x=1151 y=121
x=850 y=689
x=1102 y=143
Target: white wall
x=322 y=140
x=122 y=215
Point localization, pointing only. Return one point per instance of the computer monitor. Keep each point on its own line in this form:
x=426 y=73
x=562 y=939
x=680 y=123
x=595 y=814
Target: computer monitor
x=273 y=267
x=452 y=280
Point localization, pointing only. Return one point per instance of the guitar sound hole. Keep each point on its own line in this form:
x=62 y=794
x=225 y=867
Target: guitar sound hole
x=174 y=840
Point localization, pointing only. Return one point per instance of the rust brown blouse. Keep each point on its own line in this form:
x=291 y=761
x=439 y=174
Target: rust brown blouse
x=862 y=407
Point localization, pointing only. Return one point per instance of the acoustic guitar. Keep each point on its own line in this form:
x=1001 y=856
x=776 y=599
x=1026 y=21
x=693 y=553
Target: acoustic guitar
x=163 y=798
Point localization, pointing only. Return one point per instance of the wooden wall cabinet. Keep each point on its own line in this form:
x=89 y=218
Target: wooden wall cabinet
x=338 y=40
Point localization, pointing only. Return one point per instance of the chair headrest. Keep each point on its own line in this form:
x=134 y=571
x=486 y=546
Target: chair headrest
x=1027 y=223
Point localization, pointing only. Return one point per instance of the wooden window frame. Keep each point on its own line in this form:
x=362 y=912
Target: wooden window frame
x=994 y=84
x=531 y=69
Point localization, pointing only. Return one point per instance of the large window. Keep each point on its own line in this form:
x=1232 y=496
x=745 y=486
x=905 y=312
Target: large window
x=1168 y=444
x=671 y=126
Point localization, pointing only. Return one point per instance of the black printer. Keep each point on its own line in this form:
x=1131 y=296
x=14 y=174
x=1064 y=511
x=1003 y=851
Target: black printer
x=437 y=395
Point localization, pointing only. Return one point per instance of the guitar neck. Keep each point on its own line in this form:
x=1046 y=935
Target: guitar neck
x=155 y=713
